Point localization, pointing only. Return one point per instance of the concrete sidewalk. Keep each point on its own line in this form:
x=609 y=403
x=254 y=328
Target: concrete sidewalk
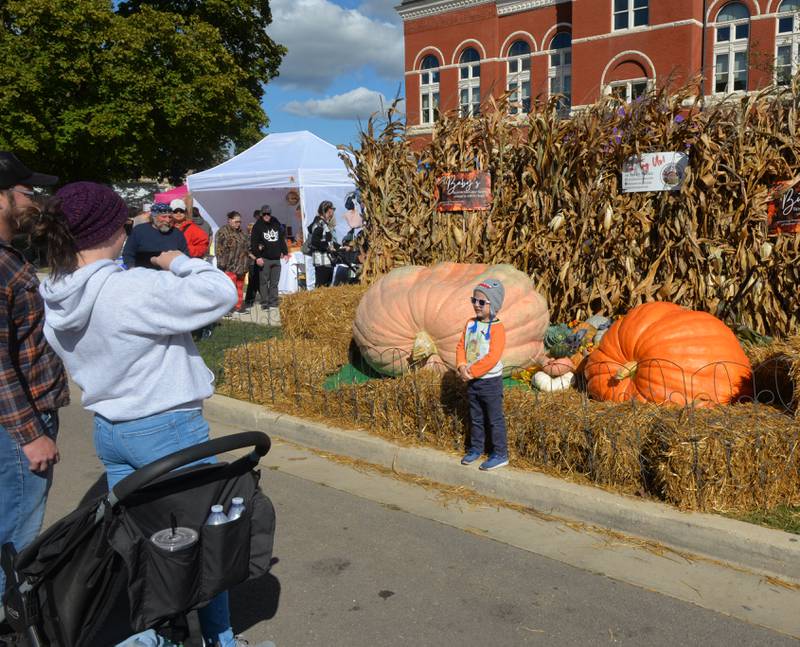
x=771 y=552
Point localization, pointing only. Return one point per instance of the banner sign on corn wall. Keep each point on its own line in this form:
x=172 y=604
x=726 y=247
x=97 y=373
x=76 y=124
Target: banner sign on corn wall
x=783 y=213
x=466 y=191
x=654 y=172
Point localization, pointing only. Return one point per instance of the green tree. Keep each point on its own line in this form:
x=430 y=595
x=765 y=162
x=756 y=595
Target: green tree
x=242 y=25
x=94 y=94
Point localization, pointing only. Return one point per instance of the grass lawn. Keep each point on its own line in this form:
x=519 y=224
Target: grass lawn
x=228 y=334
x=783 y=517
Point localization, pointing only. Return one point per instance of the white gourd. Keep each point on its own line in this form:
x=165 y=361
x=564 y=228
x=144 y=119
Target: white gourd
x=543 y=382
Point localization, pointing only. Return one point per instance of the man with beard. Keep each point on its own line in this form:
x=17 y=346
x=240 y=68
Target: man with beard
x=33 y=384
x=150 y=239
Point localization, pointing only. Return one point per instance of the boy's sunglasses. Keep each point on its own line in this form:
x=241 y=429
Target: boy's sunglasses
x=478 y=302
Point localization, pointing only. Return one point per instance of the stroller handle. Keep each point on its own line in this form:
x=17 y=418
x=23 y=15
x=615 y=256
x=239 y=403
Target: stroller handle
x=149 y=473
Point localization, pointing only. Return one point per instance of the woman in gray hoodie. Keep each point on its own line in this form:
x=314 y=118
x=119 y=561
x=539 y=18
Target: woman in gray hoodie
x=125 y=338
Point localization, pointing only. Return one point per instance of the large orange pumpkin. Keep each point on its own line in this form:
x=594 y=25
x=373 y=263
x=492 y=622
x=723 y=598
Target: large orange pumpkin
x=415 y=315
x=663 y=353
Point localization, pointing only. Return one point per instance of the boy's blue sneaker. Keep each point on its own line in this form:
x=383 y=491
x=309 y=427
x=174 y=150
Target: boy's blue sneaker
x=494 y=462
x=470 y=457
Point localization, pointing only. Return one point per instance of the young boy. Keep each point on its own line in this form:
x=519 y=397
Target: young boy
x=478 y=363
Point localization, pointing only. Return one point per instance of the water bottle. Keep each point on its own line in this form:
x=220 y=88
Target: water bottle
x=237 y=508
x=217 y=516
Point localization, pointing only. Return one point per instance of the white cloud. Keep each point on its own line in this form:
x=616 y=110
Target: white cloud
x=326 y=41
x=356 y=104
x=383 y=9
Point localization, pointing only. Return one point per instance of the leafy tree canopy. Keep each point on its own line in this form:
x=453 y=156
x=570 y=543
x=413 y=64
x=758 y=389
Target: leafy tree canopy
x=90 y=93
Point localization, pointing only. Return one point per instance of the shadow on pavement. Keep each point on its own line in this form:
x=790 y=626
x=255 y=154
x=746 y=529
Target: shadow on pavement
x=255 y=601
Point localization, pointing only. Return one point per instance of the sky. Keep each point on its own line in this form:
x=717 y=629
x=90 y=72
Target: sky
x=345 y=62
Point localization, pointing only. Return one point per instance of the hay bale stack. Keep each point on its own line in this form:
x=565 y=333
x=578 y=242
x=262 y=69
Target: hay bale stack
x=728 y=459
x=325 y=315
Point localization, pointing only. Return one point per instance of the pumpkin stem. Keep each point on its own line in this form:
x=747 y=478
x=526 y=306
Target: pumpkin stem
x=628 y=370
x=423 y=348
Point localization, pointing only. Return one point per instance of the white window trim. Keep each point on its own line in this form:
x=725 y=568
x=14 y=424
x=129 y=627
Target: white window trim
x=472 y=84
x=628 y=85
x=630 y=11
x=515 y=80
x=560 y=72
x=431 y=90
x=788 y=39
x=731 y=48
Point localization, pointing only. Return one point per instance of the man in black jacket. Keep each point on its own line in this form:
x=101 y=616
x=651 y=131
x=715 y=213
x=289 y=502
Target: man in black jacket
x=268 y=245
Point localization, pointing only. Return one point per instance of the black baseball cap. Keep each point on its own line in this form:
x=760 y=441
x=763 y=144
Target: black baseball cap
x=13 y=172
x=265 y=208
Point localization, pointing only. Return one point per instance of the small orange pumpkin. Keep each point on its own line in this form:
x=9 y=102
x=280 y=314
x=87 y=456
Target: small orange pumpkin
x=415 y=315
x=660 y=352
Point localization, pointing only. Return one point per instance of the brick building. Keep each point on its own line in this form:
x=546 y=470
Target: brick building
x=458 y=52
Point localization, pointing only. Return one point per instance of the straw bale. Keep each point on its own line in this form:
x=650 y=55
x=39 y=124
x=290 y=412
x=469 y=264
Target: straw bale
x=776 y=373
x=732 y=459
x=322 y=314
x=278 y=372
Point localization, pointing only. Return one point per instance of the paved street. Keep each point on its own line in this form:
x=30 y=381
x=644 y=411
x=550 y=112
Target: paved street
x=365 y=559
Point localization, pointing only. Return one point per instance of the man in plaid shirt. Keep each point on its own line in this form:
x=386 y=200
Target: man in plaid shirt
x=33 y=384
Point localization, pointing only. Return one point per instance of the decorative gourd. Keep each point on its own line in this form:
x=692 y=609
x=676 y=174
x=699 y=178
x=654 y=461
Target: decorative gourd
x=543 y=382
x=415 y=315
x=558 y=367
x=660 y=352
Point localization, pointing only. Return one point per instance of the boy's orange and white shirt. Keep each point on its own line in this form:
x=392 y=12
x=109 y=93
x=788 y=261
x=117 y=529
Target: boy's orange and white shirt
x=481 y=347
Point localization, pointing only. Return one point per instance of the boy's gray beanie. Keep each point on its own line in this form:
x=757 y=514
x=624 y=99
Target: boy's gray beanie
x=494 y=291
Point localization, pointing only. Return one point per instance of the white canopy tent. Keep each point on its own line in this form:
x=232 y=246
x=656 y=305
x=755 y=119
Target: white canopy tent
x=267 y=173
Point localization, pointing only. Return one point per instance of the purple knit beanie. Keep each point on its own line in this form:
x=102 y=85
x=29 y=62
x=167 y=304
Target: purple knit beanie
x=93 y=211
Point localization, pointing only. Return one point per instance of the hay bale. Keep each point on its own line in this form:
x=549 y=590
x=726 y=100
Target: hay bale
x=776 y=373
x=728 y=459
x=279 y=372
x=325 y=314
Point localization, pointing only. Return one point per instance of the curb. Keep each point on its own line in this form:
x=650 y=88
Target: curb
x=772 y=552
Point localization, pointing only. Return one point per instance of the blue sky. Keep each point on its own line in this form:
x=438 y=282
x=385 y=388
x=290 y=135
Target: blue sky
x=345 y=58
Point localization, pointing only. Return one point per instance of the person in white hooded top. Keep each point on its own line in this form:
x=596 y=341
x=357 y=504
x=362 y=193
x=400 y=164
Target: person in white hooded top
x=125 y=338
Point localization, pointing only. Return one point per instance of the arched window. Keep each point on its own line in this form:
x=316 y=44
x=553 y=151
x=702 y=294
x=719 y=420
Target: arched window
x=429 y=90
x=630 y=13
x=732 y=34
x=630 y=82
x=560 y=70
x=787 y=54
x=518 y=75
x=469 y=83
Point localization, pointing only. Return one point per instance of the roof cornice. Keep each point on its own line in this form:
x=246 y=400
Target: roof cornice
x=505 y=7
x=425 y=8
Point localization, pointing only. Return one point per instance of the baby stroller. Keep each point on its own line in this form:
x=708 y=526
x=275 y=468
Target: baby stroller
x=140 y=557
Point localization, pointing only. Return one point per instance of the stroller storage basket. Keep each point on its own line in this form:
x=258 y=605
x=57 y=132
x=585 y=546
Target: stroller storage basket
x=96 y=577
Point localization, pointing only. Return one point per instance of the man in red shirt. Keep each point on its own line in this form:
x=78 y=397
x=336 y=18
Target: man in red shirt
x=196 y=238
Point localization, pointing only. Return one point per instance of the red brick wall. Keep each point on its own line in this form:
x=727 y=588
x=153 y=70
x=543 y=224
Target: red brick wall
x=672 y=52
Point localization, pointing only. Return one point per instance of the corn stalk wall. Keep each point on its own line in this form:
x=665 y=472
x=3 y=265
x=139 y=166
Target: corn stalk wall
x=559 y=214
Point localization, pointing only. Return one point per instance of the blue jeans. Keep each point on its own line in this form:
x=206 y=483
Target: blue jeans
x=124 y=447
x=485 y=398
x=23 y=494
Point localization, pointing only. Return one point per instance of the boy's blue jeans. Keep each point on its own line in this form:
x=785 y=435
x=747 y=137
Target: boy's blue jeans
x=485 y=398
x=23 y=494
x=124 y=447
